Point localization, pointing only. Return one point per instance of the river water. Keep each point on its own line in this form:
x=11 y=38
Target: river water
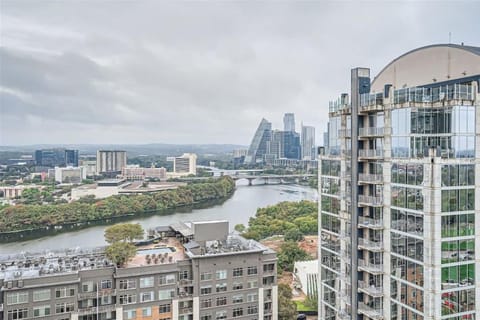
x=238 y=209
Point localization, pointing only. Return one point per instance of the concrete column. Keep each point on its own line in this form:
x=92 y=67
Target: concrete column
x=118 y=313
x=274 y=302
x=432 y=196
x=175 y=309
x=196 y=308
x=261 y=312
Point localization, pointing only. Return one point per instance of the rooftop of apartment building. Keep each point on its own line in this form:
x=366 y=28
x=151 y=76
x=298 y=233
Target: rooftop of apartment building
x=169 y=245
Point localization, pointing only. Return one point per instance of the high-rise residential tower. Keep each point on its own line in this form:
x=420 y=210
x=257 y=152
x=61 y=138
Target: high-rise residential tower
x=289 y=122
x=400 y=191
x=258 y=146
x=308 y=143
x=111 y=161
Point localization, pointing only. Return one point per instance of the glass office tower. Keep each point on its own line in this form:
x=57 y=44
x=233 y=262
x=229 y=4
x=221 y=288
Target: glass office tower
x=399 y=191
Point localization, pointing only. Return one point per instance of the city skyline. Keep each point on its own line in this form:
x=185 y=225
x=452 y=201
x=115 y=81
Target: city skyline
x=77 y=73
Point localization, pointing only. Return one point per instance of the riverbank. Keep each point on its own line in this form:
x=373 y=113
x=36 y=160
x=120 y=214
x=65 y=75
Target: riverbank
x=32 y=221
x=237 y=209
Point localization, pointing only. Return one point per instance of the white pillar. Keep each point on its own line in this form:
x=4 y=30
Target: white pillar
x=196 y=308
x=274 y=302
x=260 y=303
x=175 y=309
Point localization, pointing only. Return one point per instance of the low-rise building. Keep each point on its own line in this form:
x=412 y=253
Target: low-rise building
x=135 y=172
x=70 y=174
x=14 y=192
x=195 y=271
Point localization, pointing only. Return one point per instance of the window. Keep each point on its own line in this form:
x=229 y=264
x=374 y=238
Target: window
x=205 y=290
x=252 y=297
x=17 y=297
x=146 y=282
x=221 y=274
x=219 y=315
x=64 y=307
x=17 y=314
x=166 y=279
x=127 y=299
x=237 y=286
x=221 y=301
x=147 y=312
x=238 y=272
x=106 y=300
x=204 y=276
x=237 y=298
x=237 y=312
x=252 y=284
x=64 y=292
x=130 y=314
x=206 y=317
x=166 y=294
x=146 y=296
x=269 y=267
x=165 y=308
x=127 y=284
x=41 y=311
x=183 y=275
x=206 y=303
x=106 y=284
x=41 y=295
x=252 y=310
x=87 y=286
x=252 y=270
x=221 y=287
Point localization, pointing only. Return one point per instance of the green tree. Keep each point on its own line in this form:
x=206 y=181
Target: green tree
x=239 y=228
x=287 y=309
x=293 y=234
x=123 y=232
x=120 y=252
x=289 y=253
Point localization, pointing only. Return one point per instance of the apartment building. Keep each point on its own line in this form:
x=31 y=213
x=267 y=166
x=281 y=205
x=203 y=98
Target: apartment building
x=399 y=183
x=190 y=272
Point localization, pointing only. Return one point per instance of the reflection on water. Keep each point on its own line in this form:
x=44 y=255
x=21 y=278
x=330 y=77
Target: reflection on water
x=238 y=209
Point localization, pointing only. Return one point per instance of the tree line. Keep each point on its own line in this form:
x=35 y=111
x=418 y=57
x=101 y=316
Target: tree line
x=32 y=217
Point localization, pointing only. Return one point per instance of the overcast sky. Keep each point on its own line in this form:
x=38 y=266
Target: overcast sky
x=196 y=72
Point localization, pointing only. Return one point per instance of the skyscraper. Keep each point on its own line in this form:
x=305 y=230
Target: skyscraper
x=289 y=122
x=258 y=146
x=71 y=158
x=399 y=191
x=308 y=143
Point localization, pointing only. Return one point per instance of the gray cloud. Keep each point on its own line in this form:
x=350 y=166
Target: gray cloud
x=197 y=72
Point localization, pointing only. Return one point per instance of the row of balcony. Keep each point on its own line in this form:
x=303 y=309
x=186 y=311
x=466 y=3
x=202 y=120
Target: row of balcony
x=370 y=178
x=370 y=200
x=370 y=153
x=99 y=309
x=370 y=223
x=95 y=294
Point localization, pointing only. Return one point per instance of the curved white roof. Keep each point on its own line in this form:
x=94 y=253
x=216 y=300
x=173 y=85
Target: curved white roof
x=435 y=63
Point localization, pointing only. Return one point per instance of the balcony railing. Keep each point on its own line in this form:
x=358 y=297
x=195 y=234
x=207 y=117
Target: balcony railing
x=431 y=95
x=374 y=313
x=371 y=99
x=371 y=132
x=99 y=309
x=370 y=267
x=370 y=200
x=370 y=244
x=343 y=133
x=370 y=223
x=370 y=153
x=372 y=290
x=94 y=294
x=370 y=178
x=186 y=310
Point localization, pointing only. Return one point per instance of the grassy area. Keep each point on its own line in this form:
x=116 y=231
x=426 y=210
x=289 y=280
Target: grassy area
x=302 y=307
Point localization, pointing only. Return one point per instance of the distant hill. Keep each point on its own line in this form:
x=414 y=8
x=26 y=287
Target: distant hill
x=135 y=149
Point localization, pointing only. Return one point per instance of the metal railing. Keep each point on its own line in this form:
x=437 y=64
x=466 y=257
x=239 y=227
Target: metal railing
x=371 y=99
x=370 y=200
x=370 y=153
x=372 y=290
x=370 y=223
x=370 y=244
x=371 y=131
x=370 y=177
x=374 y=313
x=99 y=309
x=370 y=267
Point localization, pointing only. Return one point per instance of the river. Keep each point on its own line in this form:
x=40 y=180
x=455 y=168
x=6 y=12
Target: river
x=238 y=209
